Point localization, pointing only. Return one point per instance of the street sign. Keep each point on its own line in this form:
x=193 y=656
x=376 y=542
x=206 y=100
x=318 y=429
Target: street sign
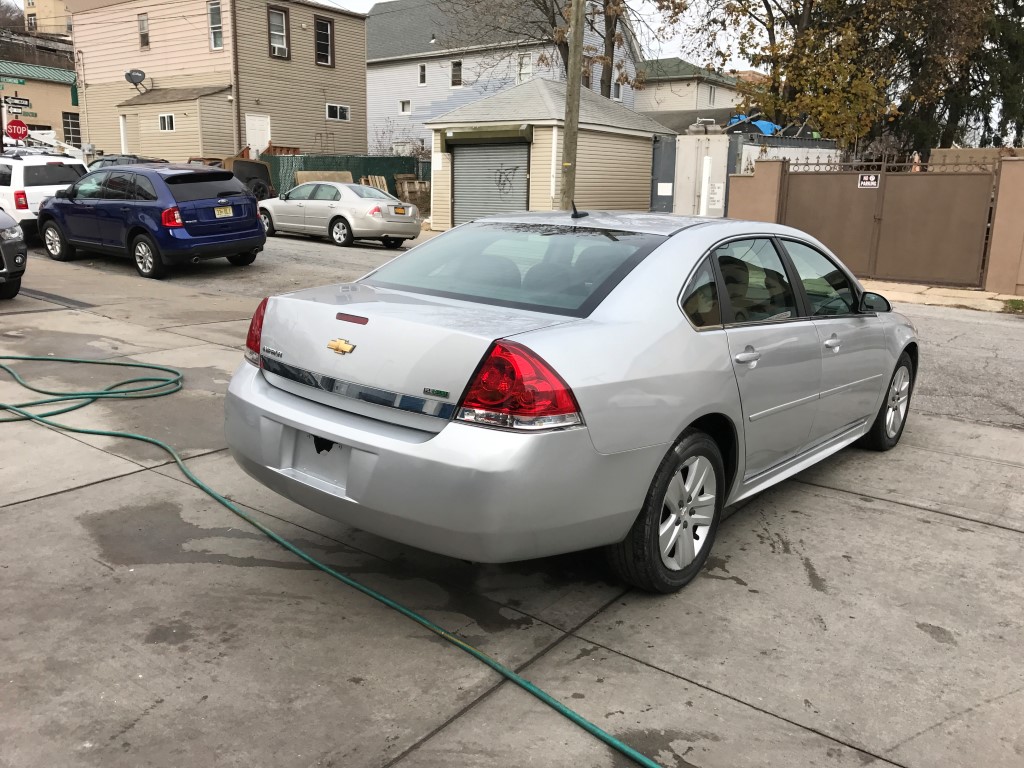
x=17 y=130
x=16 y=101
x=12 y=80
x=867 y=181
x=14 y=110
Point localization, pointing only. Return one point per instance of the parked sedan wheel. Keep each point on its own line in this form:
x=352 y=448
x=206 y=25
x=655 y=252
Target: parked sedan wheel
x=340 y=233
x=268 y=223
x=391 y=243
x=147 y=258
x=57 y=247
x=673 y=534
x=10 y=289
x=242 y=259
x=892 y=416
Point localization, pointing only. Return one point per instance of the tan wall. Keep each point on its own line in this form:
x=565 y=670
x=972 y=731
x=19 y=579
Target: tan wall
x=179 y=42
x=101 y=113
x=177 y=145
x=542 y=197
x=440 y=186
x=295 y=92
x=667 y=97
x=217 y=128
x=49 y=102
x=613 y=172
x=1005 y=272
x=52 y=16
x=756 y=198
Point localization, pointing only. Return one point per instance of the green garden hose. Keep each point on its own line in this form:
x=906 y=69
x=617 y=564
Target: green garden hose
x=153 y=385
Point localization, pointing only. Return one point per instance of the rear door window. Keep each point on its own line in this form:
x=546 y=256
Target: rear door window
x=755 y=280
x=144 y=189
x=189 y=187
x=91 y=187
x=547 y=268
x=700 y=298
x=52 y=175
x=119 y=186
x=324 y=192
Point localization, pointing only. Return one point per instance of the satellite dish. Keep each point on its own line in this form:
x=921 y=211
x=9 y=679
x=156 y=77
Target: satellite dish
x=135 y=76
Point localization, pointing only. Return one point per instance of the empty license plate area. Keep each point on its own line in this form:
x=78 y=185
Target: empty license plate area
x=320 y=458
x=224 y=212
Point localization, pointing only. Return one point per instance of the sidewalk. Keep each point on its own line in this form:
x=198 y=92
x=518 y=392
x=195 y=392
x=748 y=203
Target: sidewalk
x=916 y=293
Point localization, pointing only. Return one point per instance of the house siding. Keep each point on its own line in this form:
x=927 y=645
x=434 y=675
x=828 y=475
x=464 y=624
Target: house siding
x=679 y=95
x=544 y=197
x=440 y=186
x=483 y=74
x=599 y=156
x=294 y=92
x=177 y=145
x=217 y=137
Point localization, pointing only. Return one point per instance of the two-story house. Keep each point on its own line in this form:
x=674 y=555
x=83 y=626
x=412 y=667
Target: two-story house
x=221 y=75
x=50 y=17
x=677 y=93
x=413 y=75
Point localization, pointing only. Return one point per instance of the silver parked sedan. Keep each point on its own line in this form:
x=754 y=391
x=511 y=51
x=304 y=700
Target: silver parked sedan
x=529 y=385
x=343 y=213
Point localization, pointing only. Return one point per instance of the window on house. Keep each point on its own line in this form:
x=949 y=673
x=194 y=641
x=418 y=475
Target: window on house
x=712 y=91
x=324 y=41
x=525 y=69
x=70 y=26
x=456 y=74
x=30 y=21
x=405 y=107
x=337 y=112
x=588 y=66
x=277 y=31
x=216 y=25
x=423 y=74
x=30 y=3
x=166 y=122
x=617 y=91
x=72 y=129
x=143 y=30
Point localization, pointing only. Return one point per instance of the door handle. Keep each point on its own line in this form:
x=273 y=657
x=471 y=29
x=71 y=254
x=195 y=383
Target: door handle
x=749 y=355
x=125 y=209
x=834 y=343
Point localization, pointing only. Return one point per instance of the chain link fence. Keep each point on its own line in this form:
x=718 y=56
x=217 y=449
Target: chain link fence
x=283 y=167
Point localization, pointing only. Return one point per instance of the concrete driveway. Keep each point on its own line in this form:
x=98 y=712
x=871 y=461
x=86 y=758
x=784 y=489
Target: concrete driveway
x=865 y=613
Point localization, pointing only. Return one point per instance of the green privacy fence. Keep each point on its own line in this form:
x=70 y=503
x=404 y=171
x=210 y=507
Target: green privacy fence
x=283 y=167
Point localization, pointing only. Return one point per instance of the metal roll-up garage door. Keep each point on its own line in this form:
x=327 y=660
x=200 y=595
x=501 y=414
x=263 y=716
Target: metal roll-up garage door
x=489 y=179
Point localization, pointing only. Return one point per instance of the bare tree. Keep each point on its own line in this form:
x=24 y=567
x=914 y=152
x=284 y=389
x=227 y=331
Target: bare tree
x=11 y=16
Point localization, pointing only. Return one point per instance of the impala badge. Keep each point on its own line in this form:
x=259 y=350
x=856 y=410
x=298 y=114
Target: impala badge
x=341 y=346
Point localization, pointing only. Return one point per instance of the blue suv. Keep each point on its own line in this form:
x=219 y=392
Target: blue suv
x=157 y=214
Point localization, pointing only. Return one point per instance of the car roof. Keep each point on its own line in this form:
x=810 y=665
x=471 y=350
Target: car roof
x=42 y=159
x=626 y=221
x=171 y=169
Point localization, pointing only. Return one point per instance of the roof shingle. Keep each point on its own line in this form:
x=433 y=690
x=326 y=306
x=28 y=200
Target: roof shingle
x=37 y=72
x=170 y=95
x=674 y=68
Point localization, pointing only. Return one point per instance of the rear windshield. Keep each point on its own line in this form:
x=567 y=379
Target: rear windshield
x=371 y=192
x=187 y=187
x=52 y=175
x=564 y=270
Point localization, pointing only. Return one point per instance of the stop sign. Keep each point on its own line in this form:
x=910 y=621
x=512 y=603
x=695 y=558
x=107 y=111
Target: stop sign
x=17 y=130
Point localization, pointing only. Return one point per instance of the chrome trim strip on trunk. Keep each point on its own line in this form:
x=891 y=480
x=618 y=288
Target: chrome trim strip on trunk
x=353 y=391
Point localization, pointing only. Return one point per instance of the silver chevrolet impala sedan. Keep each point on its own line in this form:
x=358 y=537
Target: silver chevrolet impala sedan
x=529 y=385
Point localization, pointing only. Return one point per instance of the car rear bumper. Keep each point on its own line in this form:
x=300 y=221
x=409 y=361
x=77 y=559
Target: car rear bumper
x=470 y=492
x=369 y=227
x=175 y=246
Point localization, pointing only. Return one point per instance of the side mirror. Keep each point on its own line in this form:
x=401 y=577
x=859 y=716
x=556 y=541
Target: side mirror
x=63 y=194
x=874 y=302
x=283 y=196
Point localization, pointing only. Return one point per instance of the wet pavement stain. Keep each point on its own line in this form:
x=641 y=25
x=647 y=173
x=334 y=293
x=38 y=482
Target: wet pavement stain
x=156 y=534
x=817 y=583
x=938 y=634
x=173 y=633
x=717 y=563
x=657 y=745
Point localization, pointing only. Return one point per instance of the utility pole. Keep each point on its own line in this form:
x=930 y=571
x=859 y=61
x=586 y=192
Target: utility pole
x=572 y=103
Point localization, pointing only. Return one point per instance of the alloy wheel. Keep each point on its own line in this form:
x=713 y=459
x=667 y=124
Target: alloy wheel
x=265 y=218
x=897 y=401
x=52 y=240
x=687 y=513
x=339 y=232
x=144 y=257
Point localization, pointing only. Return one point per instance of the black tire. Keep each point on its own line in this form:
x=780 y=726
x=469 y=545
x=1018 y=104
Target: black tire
x=268 y=222
x=391 y=243
x=339 y=232
x=147 y=259
x=10 y=289
x=881 y=436
x=242 y=259
x=259 y=189
x=55 y=244
x=637 y=559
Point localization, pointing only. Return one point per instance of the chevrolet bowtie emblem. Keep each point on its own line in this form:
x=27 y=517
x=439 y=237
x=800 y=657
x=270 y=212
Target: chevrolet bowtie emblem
x=341 y=346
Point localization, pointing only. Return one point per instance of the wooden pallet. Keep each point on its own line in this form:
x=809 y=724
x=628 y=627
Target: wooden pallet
x=379 y=182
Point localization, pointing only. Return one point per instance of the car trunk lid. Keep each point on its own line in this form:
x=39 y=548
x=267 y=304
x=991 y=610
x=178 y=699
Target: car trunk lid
x=396 y=356
x=212 y=202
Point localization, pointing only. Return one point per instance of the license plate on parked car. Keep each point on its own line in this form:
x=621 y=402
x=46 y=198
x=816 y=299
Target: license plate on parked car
x=224 y=212
x=399 y=210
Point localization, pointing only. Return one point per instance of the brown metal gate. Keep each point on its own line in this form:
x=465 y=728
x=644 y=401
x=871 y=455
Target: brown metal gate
x=930 y=226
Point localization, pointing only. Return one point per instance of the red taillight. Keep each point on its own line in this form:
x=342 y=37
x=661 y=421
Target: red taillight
x=514 y=388
x=21 y=201
x=375 y=211
x=171 y=218
x=253 y=339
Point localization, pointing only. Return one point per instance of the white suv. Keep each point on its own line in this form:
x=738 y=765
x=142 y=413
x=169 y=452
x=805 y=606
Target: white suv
x=28 y=179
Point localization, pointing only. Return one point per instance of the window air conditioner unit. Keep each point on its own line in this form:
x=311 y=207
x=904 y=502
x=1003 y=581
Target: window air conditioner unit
x=279 y=50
